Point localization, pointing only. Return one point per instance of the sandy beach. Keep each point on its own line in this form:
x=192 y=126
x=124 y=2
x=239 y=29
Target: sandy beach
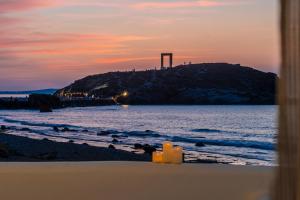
x=18 y=148
x=132 y=180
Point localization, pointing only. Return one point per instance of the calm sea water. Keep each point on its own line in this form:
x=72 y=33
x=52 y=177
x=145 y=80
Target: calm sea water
x=13 y=95
x=242 y=135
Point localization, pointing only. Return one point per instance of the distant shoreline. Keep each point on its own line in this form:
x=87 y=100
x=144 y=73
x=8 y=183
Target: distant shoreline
x=17 y=103
x=27 y=92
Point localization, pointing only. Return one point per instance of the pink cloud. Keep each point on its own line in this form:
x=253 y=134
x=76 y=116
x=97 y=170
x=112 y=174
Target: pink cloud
x=58 y=39
x=182 y=4
x=94 y=4
x=7 y=21
x=51 y=53
x=21 y=5
x=44 y=47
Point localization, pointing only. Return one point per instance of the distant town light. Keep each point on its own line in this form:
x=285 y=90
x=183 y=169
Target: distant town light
x=125 y=94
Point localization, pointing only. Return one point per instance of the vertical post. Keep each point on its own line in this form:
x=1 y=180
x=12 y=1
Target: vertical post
x=162 y=61
x=171 y=60
x=288 y=174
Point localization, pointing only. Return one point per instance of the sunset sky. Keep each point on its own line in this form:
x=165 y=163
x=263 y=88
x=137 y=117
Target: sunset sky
x=50 y=43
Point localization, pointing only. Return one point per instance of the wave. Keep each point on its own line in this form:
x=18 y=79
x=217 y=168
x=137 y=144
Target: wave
x=26 y=123
x=52 y=134
x=206 y=130
x=232 y=143
x=142 y=134
x=245 y=135
x=235 y=155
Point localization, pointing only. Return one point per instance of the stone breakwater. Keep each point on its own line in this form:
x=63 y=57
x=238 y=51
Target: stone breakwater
x=45 y=103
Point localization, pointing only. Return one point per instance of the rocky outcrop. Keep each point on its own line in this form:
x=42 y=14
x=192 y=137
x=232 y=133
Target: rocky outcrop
x=43 y=102
x=205 y=84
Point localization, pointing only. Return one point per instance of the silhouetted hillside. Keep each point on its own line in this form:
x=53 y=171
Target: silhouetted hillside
x=216 y=83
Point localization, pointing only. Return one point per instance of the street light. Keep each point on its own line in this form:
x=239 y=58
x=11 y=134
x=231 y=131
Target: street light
x=125 y=94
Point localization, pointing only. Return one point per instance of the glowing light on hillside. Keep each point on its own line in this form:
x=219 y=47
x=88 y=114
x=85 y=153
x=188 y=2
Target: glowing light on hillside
x=125 y=94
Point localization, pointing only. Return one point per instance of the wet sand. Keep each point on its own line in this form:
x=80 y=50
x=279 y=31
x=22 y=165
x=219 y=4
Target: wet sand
x=17 y=148
x=132 y=180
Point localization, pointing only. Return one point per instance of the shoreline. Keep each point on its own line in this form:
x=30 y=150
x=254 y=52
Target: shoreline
x=14 y=148
x=22 y=148
x=22 y=105
x=53 y=102
x=18 y=148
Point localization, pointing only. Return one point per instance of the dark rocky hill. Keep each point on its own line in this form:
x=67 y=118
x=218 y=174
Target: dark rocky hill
x=208 y=83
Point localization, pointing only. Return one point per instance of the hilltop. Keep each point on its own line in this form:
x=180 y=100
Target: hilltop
x=204 y=84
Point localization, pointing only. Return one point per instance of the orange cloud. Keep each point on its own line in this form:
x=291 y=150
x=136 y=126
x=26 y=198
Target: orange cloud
x=46 y=48
x=122 y=59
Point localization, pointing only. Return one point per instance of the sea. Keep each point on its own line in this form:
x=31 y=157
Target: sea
x=237 y=135
x=13 y=95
